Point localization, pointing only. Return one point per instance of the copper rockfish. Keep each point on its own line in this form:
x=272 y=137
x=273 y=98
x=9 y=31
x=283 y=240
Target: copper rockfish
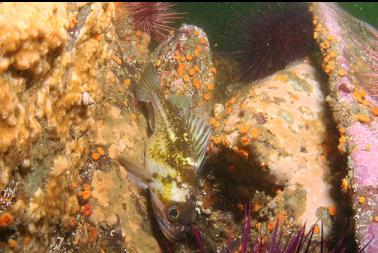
x=173 y=158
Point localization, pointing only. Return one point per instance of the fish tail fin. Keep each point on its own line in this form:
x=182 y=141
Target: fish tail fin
x=148 y=84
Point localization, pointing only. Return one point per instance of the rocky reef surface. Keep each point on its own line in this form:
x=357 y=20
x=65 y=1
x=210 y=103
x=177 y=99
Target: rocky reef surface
x=68 y=111
x=349 y=48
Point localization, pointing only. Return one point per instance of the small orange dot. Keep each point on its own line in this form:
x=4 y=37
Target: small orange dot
x=6 y=219
x=99 y=37
x=254 y=133
x=177 y=57
x=231 y=101
x=210 y=86
x=363 y=118
x=245 y=141
x=183 y=58
x=332 y=210
x=101 y=150
x=87 y=209
x=192 y=72
x=361 y=200
x=270 y=226
x=197 y=52
x=96 y=156
x=376 y=218
x=344 y=185
x=196 y=68
x=196 y=33
x=216 y=139
x=117 y=59
x=206 y=97
x=189 y=57
x=85 y=195
x=243 y=128
x=186 y=78
x=316 y=229
x=127 y=81
x=374 y=111
x=214 y=70
x=330 y=37
x=244 y=153
x=342 y=72
x=72 y=221
x=325 y=45
x=203 y=40
x=12 y=243
x=197 y=83
x=342 y=130
x=333 y=54
x=180 y=70
x=214 y=122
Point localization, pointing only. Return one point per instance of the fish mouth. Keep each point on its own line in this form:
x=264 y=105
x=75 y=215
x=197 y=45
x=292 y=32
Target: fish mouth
x=175 y=234
x=171 y=231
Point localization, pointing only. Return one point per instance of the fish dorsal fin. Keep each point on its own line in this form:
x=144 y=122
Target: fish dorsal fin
x=148 y=84
x=181 y=102
x=200 y=132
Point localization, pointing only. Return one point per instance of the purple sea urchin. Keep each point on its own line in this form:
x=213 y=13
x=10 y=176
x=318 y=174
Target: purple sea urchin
x=272 y=37
x=154 y=18
x=278 y=242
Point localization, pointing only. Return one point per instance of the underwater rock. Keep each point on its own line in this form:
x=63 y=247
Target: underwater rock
x=349 y=48
x=185 y=62
x=282 y=127
x=66 y=72
x=66 y=77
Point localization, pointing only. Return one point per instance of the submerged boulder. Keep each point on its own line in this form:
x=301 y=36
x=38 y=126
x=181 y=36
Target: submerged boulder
x=67 y=112
x=349 y=48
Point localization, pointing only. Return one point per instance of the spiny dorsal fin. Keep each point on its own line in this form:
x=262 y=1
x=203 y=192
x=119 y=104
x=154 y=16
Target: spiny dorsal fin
x=180 y=101
x=148 y=84
x=200 y=132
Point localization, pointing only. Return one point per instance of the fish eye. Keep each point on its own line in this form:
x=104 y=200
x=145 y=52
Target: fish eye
x=173 y=213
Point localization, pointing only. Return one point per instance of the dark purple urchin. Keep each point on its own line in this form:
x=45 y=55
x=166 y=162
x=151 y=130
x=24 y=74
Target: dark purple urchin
x=153 y=18
x=277 y=242
x=271 y=37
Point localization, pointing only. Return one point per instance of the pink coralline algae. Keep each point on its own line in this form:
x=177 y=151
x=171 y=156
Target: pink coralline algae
x=364 y=153
x=350 y=60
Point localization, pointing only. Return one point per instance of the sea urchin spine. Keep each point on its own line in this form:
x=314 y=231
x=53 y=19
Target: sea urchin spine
x=272 y=37
x=153 y=18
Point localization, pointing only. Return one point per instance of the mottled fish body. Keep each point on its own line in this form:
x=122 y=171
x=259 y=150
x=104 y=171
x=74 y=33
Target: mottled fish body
x=174 y=155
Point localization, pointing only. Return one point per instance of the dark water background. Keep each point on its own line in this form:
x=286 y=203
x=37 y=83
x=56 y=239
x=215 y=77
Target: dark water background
x=216 y=18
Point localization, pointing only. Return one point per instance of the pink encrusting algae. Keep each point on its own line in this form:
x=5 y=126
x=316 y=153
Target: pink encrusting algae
x=351 y=62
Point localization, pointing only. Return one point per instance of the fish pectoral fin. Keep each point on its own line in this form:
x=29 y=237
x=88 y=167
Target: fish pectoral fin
x=137 y=172
x=180 y=101
x=200 y=133
x=148 y=84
